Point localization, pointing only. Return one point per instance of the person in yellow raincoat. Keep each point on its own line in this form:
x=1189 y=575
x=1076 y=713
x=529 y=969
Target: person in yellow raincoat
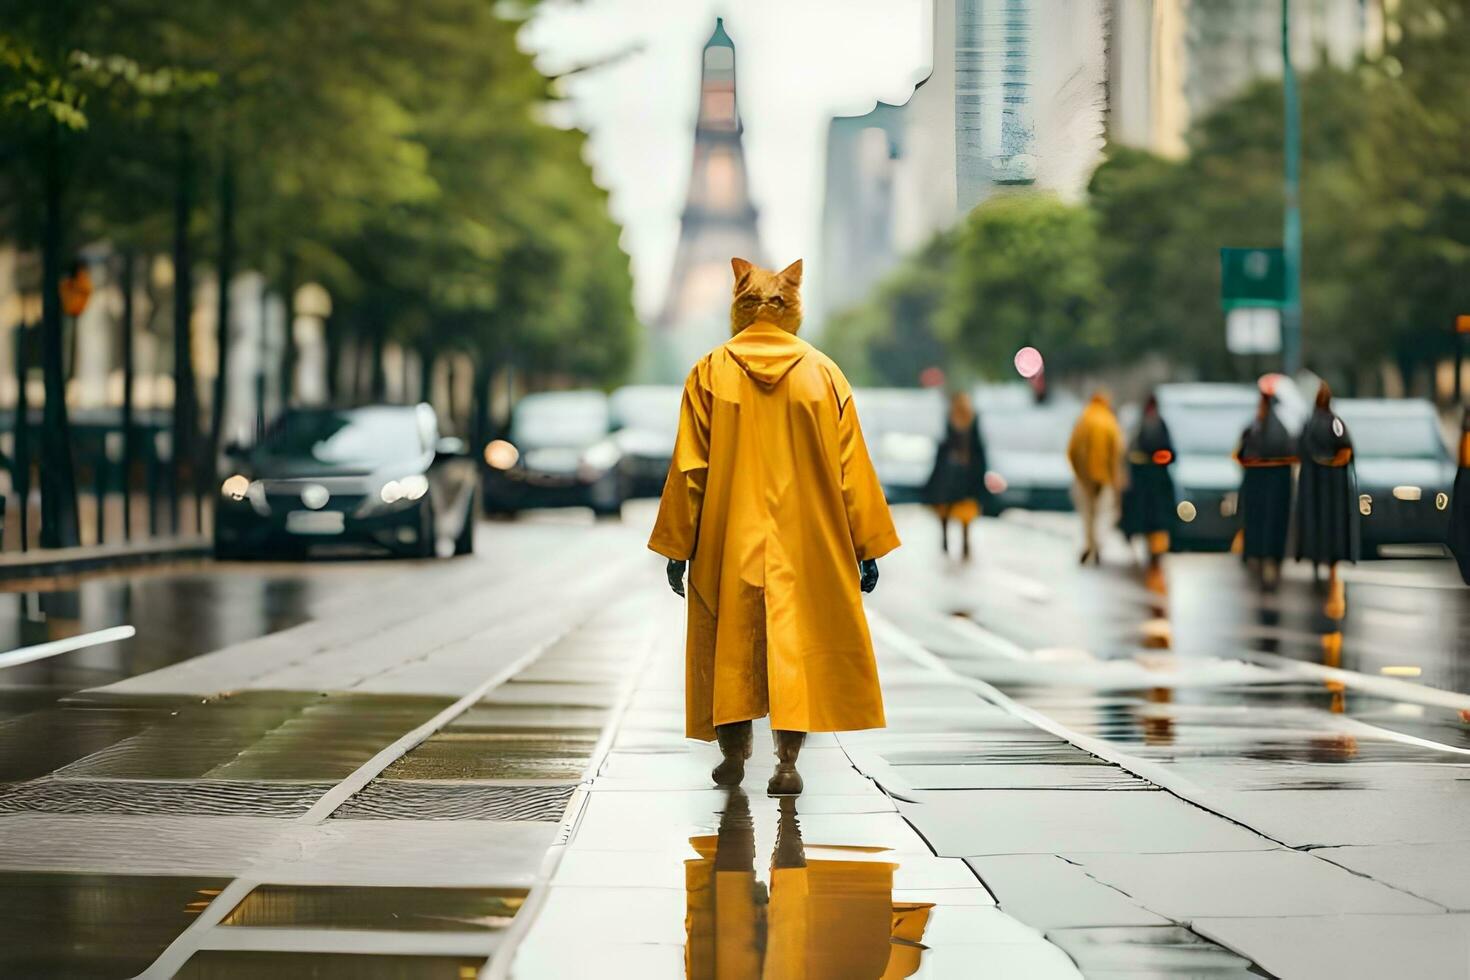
x=1096 y=454
x=772 y=496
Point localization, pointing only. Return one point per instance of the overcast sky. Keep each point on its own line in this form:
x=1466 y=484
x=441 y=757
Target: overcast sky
x=799 y=62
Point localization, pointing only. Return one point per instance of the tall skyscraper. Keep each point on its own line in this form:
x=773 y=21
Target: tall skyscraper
x=719 y=221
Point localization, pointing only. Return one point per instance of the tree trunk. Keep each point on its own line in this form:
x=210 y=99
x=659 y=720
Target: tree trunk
x=426 y=374
x=378 y=380
x=480 y=400
x=129 y=449
x=184 y=406
x=58 y=477
x=226 y=269
x=288 y=343
x=332 y=335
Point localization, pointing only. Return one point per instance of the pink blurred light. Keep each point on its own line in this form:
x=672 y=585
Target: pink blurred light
x=932 y=377
x=1028 y=362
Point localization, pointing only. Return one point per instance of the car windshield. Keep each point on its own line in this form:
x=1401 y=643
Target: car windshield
x=1410 y=437
x=654 y=408
x=566 y=420
x=1035 y=430
x=354 y=438
x=1207 y=429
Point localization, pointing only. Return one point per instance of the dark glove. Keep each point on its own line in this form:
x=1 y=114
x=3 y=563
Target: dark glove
x=675 y=570
x=869 y=580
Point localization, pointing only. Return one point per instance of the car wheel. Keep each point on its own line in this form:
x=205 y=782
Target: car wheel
x=465 y=543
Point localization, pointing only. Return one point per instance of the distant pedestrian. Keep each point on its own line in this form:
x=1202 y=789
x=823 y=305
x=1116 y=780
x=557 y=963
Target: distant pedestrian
x=1326 y=496
x=1148 y=500
x=1460 y=505
x=1266 y=453
x=1096 y=454
x=773 y=508
x=956 y=487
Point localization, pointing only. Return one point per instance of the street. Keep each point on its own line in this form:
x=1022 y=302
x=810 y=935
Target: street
x=476 y=768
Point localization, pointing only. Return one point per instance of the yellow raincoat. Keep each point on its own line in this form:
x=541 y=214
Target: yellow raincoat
x=772 y=495
x=1096 y=447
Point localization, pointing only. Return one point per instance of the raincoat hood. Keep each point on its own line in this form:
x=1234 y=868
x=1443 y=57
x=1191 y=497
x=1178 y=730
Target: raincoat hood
x=766 y=352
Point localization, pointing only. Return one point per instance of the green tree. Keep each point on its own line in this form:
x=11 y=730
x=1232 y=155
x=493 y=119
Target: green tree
x=1026 y=273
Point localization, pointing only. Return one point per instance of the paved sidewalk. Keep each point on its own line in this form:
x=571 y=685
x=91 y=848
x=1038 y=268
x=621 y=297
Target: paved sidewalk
x=661 y=872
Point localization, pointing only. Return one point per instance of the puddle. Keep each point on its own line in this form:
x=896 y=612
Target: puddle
x=98 y=926
x=519 y=717
x=239 y=965
x=397 y=909
x=499 y=755
x=802 y=915
x=260 y=736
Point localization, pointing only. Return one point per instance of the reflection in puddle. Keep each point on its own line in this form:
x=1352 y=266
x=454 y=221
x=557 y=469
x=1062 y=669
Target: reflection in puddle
x=397 y=909
x=814 y=918
x=93 y=925
x=240 y=965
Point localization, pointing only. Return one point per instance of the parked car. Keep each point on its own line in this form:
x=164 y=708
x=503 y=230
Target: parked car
x=559 y=452
x=379 y=476
x=645 y=420
x=902 y=427
x=1026 y=446
x=1405 y=471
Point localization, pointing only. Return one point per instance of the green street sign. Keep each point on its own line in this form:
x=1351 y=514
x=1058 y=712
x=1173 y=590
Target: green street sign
x=1252 y=277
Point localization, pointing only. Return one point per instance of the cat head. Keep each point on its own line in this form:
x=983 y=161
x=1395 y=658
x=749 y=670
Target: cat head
x=763 y=295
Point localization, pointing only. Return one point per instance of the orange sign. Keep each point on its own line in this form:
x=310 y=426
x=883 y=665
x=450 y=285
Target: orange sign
x=1462 y=323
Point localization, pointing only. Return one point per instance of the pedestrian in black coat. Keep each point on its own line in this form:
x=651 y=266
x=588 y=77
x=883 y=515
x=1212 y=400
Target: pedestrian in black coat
x=1460 y=504
x=956 y=487
x=1327 y=496
x=1148 y=500
x=1266 y=453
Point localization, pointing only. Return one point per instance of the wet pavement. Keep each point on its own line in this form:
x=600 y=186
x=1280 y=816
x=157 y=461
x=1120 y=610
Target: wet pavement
x=476 y=768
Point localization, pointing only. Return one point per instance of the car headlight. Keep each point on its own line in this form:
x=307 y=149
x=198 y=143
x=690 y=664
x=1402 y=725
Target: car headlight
x=1441 y=500
x=601 y=457
x=1365 y=504
x=501 y=455
x=409 y=488
x=1186 y=511
x=235 y=487
x=995 y=483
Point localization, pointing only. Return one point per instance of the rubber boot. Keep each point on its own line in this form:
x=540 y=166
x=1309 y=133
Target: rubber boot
x=735 y=745
x=789 y=852
x=786 y=781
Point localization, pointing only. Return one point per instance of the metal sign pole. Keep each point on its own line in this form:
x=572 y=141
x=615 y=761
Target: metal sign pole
x=1291 y=232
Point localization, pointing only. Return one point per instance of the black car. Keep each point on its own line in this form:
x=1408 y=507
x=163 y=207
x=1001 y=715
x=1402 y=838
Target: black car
x=645 y=420
x=1405 y=473
x=378 y=476
x=560 y=453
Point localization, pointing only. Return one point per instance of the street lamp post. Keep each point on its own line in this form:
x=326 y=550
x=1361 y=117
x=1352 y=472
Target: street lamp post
x=1291 y=231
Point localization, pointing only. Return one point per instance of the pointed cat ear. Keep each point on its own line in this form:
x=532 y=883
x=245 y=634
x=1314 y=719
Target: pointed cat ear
x=742 y=270
x=792 y=273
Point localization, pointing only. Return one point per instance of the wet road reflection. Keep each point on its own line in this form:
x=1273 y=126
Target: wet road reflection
x=180 y=611
x=814 y=917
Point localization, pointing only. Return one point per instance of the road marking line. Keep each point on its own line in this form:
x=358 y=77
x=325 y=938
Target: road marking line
x=52 y=648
